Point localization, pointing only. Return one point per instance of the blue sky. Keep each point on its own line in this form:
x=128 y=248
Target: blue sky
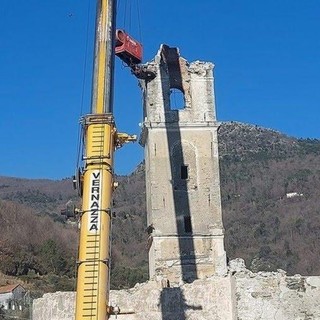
x=266 y=56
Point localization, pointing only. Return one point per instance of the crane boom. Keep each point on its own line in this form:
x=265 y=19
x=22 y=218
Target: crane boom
x=100 y=141
x=102 y=94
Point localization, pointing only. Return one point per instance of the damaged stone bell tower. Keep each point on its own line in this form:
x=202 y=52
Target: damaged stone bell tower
x=182 y=170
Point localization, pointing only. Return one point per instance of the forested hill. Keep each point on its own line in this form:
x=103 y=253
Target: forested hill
x=270 y=185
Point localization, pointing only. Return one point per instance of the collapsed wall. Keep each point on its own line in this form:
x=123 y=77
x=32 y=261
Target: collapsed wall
x=274 y=295
x=241 y=295
x=150 y=301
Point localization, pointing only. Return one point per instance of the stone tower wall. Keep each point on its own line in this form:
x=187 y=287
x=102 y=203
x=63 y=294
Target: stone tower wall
x=182 y=170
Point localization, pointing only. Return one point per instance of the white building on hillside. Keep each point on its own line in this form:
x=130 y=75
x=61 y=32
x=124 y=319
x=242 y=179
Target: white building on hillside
x=12 y=296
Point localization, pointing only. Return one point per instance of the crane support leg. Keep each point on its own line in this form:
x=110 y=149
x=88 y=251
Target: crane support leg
x=94 y=247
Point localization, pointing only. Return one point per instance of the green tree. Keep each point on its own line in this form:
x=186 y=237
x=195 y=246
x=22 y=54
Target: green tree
x=52 y=257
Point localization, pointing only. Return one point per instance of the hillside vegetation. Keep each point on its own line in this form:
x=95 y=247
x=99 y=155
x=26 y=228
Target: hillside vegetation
x=259 y=167
x=262 y=225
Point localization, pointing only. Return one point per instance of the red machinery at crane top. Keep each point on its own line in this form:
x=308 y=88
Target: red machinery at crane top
x=128 y=49
x=130 y=52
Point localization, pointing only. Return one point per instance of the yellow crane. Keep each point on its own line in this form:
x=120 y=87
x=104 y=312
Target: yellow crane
x=95 y=182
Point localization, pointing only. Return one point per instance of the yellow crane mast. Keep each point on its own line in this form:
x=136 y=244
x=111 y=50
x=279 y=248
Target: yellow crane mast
x=96 y=182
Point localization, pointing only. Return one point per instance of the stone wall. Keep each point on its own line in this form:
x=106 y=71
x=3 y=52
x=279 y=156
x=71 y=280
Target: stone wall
x=241 y=295
x=201 y=300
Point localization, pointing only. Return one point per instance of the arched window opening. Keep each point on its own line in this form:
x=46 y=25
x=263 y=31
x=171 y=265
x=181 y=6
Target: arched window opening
x=177 y=101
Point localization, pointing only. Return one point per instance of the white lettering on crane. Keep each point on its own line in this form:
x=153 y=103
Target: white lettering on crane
x=94 y=202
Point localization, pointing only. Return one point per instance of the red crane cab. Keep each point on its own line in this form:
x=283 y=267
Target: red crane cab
x=128 y=49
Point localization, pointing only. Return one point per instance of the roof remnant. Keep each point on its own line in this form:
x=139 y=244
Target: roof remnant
x=9 y=288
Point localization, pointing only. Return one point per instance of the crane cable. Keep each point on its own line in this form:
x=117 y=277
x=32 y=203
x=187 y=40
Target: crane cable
x=85 y=61
x=83 y=85
x=84 y=81
x=139 y=21
x=128 y=15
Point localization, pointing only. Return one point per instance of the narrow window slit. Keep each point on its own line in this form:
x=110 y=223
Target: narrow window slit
x=187 y=224
x=184 y=174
